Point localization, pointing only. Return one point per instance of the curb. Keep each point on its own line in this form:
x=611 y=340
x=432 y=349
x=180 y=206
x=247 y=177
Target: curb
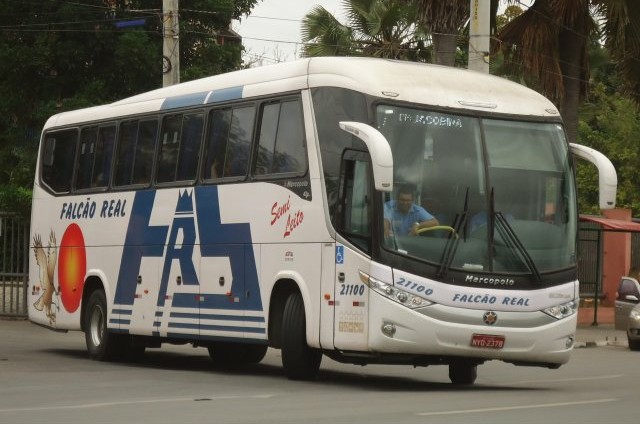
x=600 y=343
x=582 y=345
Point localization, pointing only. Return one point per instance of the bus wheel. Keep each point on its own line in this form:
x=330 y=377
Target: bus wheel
x=234 y=354
x=300 y=362
x=101 y=344
x=463 y=372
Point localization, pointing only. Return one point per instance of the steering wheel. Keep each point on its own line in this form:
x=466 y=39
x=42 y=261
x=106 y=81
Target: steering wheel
x=438 y=227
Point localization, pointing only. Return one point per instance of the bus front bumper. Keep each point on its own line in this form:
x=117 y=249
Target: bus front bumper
x=522 y=338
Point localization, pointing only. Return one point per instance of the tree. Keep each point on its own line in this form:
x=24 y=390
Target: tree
x=57 y=56
x=549 y=42
x=444 y=20
x=377 y=28
x=610 y=123
x=206 y=46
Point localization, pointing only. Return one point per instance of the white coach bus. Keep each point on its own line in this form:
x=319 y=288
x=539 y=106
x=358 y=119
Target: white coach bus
x=369 y=210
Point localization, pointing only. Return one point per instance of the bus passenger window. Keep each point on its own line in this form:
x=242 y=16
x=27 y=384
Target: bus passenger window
x=125 y=153
x=190 y=147
x=134 y=155
x=290 y=154
x=216 y=145
x=88 y=140
x=238 y=146
x=57 y=162
x=169 y=146
x=281 y=146
x=267 y=140
x=145 y=148
x=103 y=156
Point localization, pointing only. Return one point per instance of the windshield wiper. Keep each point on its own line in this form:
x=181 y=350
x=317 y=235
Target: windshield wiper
x=511 y=240
x=449 y=251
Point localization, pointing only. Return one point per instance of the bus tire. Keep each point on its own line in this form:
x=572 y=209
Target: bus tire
x=463 y=372
x=300 y=362
x=101 y=344
x=235 y=354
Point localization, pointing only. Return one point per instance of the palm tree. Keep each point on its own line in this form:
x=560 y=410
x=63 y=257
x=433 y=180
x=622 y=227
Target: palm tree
x=444 y=20
x=549 y=44
x=378 y=28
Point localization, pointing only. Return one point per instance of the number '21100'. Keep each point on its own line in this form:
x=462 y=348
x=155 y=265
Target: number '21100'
x=351 y=290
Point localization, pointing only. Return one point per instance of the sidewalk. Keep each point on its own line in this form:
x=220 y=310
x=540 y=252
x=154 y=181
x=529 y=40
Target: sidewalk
x=594 y=331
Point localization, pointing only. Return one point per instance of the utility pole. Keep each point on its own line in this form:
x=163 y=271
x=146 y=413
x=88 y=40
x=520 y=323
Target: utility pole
x=170 y=43
x=479 y=35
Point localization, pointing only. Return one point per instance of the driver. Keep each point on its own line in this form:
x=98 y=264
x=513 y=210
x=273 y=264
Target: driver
x=403 y=217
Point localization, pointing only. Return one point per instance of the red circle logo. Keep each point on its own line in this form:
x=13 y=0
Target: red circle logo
x=72 y=267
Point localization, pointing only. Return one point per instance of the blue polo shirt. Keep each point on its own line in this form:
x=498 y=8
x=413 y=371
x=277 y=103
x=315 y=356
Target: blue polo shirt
x=401 y=223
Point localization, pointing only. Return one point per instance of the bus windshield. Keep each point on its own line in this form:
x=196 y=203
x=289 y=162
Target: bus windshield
x=479 y=194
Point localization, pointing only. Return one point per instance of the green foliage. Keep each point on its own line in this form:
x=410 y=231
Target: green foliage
x=375 y=28
x=57 y=56
x=610 y=123
x=15 y=199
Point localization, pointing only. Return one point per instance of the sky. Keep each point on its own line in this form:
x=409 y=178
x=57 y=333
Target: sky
x=272 y=32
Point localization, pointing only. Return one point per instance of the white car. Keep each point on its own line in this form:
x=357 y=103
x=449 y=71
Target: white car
x=627 y=315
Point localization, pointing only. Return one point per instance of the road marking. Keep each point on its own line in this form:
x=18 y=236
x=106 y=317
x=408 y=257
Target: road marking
x=564 y=380
x=134 y=402
x=514 y=408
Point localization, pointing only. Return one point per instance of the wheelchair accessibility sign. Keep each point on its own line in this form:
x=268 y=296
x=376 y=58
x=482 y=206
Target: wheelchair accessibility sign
x=339 y=254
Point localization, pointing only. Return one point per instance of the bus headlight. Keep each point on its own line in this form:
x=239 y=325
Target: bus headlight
x=562 y=311
x=403 y=297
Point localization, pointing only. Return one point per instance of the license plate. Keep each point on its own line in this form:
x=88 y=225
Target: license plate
x=487 y=341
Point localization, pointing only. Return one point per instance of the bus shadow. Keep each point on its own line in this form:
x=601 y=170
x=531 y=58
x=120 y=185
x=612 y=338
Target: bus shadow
x=385 y=383
x=168 y=360
x=181 y=361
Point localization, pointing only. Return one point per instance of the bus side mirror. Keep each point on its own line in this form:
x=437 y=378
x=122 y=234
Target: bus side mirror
x=607 y=177
x=380 y=151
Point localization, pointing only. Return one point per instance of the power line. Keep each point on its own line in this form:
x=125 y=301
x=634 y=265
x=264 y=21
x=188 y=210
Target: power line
x=37 y=27
x=275 y=19
x=49 y=24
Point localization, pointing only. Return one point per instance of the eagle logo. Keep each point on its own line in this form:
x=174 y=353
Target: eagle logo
x=46 y=260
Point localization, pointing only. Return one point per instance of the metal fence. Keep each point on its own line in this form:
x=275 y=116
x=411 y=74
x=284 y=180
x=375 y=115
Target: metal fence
x=590 y=251
x=590 y=260
x=14 y=265
x=635 y=250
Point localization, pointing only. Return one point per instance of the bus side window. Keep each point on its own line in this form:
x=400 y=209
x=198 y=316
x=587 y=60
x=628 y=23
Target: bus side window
x=190 y=147
x=267 y=138
x=125 y=153
x=239 y=143
x=169 y=146
x=145 y=148
x=103 y=156
x=281 y=147
x=57 y=162
x=290 y=154
x=86 y=156
x=216 y=145
x=180 y=147
x=134 y=154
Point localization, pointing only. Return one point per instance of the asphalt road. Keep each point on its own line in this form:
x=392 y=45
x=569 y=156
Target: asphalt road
x=46 y=377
